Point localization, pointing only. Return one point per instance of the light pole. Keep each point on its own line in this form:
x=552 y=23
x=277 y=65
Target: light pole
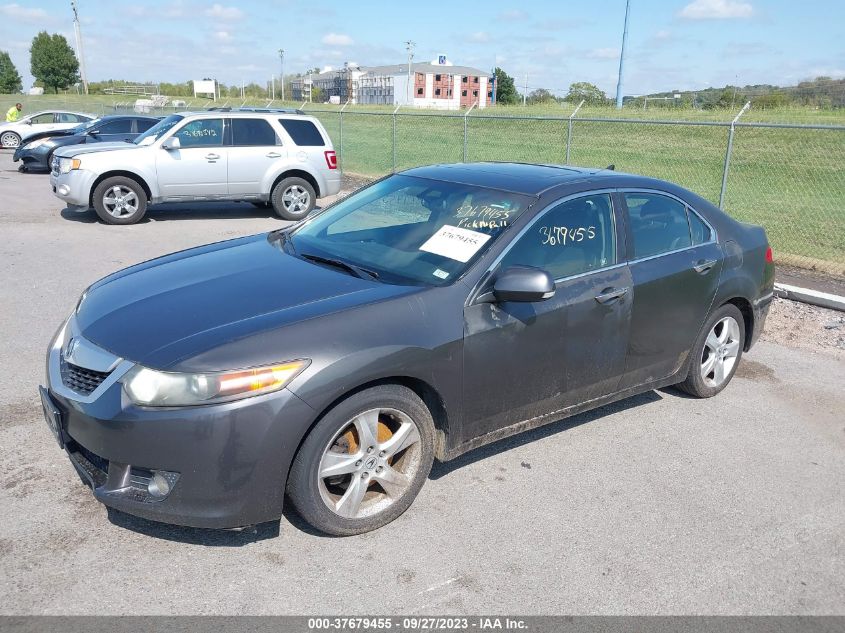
x=79 y=49
x=282 y=78
x=409 y=45
x=622 y=57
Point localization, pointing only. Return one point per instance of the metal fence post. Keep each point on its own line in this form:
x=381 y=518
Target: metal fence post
x=465 y=130
x=569 y=130
x=340 y=134
x=394 y=137
x=728 y=155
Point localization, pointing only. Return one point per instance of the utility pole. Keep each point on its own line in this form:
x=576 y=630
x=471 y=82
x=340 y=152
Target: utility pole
x=79 y=50
x=273 y=87
x=622 y=57
x=525 y=90
x=409 y=46
x=282 y=59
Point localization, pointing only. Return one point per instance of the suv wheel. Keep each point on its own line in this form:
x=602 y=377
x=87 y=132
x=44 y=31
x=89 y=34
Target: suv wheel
x=120 y=200
x=10 y=139
x=293 y=198
x=364 y=462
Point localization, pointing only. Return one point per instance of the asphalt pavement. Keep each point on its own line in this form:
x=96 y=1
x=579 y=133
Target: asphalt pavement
x=660 y=504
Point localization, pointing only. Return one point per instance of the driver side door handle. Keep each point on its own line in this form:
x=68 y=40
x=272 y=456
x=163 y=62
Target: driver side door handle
x=703 y=267
x=212 y=157
x=611 y=294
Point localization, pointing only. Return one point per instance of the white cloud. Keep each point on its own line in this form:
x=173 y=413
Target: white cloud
x=716 y=10
x=479 y=37
x=604 y=53
x=337 y=39
x=223 y=36
x=662 y=35
x=219 y=12
x=18 y=12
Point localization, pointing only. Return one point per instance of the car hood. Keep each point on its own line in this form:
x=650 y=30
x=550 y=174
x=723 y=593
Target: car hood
x=170 y=309
x=49 y=134
x=77 y=150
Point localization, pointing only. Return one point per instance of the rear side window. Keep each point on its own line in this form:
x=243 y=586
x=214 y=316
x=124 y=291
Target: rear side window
x=251 y=132
x=123 y=126
x=700 y=232
x=658 y=224
x=303 y=133
x=67 y=117
x=201 y=133
x=576 y=237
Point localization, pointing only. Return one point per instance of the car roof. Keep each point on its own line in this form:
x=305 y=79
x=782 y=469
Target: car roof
x=250 y=114
x=110 y=117
x=534 y=179
x=58 y=112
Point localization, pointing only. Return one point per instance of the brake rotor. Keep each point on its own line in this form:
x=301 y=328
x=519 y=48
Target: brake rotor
x=350 y=438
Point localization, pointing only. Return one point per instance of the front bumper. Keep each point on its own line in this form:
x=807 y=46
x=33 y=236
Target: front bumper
x=74 y=187
x=36 y=157
x=226 y=464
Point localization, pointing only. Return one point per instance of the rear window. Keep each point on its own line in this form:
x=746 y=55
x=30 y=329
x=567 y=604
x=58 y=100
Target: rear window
x=252 y=132
x=303 y=133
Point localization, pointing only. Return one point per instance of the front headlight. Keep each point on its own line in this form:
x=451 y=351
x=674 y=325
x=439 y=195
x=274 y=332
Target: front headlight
x=152 y=388
x=68 y=164
x=35 y=143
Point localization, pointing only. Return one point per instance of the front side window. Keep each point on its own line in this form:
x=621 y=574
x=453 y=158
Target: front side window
x=252 y=132
x=201 y=133
x=411 y=230
x=658 y=224
x=575 y=237
x=42 y=118
x=145 y=124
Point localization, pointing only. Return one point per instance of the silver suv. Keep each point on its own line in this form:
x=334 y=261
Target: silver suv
x=277 y=159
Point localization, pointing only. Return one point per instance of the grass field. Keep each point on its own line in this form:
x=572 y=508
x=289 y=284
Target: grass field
x=792 y=181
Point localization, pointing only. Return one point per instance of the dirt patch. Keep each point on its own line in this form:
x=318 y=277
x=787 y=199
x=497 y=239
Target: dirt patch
x=802 y=326
x=274 y=557
x=18 y=413
x=752 y=370
x=813 y=279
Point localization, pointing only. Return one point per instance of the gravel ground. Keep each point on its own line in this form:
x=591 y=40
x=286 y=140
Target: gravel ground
x=659 y=504
x=802 y=326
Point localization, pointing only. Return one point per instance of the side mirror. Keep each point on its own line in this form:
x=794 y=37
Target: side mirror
x=93 y=132
x=171 y=143
x=523 y=284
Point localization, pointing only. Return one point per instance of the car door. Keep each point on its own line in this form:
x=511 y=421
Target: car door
x=42 y=123
x=66 y=120
x=197 y=169
x=675 y=264
x=111 y=131
x=524 y=360
x=255 y=149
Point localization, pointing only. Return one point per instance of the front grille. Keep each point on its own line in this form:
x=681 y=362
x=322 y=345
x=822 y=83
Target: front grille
x=80 y=379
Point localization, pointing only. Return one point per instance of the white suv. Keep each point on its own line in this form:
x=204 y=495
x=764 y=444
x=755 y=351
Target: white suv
x=279 y=159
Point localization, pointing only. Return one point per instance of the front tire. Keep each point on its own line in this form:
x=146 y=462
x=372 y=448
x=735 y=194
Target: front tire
x=364 y=462
x=120 y=200
x=293 y=198
x=10 y=139
x=716 y=353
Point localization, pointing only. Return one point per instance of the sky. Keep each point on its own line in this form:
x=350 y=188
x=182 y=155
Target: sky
x=672 y=44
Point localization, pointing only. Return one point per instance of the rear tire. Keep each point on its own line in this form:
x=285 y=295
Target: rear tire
x=378 y=443
x=293 y=198
x=120 y=200
x=716 y=353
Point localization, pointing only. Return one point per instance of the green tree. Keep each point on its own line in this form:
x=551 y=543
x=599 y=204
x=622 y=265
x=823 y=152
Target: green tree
x=53 y=61
x=590 y=93
x=505 y=88
x=541 y=95
x=10 y=80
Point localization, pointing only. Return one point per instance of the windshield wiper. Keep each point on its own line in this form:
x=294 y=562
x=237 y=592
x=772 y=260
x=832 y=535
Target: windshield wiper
x=362 y=273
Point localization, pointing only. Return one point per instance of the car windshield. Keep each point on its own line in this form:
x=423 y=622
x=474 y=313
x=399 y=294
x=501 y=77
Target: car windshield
x=156 y=131
x=408 y=230
x=80 y=129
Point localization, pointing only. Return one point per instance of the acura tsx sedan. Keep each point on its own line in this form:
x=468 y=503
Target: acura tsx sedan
x=432 y=312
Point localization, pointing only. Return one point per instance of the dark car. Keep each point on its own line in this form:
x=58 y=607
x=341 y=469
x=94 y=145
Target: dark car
x=430 y=313
x=37 y=150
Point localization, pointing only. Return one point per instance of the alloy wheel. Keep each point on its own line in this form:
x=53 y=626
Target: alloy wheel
x=370 y=463
x=9 y=139
x=296 y=199
x=120 y=201
x=721 y=349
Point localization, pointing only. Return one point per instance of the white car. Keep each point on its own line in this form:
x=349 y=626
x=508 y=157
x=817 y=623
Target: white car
x=12 y=133
x=271 y=158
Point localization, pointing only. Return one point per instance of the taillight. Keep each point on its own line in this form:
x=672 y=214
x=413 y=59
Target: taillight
x=331 y=159
x=769 y=258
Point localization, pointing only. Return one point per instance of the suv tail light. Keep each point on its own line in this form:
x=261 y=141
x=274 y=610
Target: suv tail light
x=331 y=159
x=769 y=257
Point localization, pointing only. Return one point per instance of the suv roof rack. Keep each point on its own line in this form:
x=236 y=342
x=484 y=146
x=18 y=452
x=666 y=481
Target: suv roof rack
x=258 y=110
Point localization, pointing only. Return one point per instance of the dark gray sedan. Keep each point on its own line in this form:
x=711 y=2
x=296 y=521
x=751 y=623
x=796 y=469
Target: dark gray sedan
x=428 y=314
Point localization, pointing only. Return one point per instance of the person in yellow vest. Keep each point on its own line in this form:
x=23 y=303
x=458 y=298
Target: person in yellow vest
x=14 y=113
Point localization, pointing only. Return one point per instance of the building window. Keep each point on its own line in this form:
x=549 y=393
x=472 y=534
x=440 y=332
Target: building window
x=465 y=79
x=419 y=91
x=436 y=77
x=490 y=94
x=437 y=92
x=475 y=80
x=464 y=93
x=475 y=93
x=449 y=92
